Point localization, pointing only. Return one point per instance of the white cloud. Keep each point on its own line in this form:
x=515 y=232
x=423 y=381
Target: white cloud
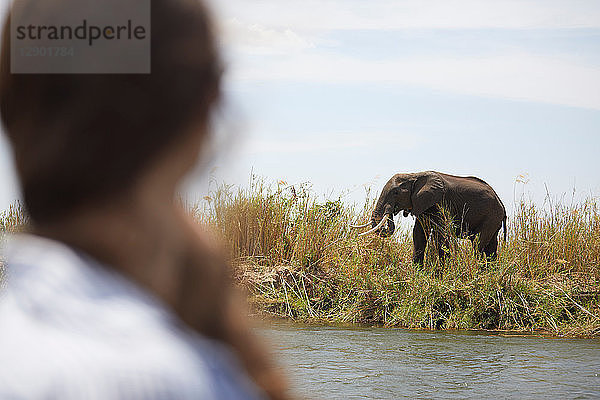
x=281 y=40
x=258 y=39
x=516 y=76
x=328 y=142
x=318 y=15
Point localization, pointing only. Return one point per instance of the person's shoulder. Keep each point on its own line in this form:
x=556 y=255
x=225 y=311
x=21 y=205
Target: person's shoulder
x=71 y=327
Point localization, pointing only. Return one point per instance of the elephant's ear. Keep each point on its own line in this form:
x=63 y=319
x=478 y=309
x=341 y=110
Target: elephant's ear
x=428 y=190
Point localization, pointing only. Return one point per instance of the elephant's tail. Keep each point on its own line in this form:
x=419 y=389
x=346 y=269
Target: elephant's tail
x=504 y=227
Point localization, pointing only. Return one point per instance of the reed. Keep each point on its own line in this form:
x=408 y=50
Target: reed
x=14 y=219
x=298 y=258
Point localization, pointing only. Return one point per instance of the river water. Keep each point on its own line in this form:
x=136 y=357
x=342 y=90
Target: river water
x=326 y=362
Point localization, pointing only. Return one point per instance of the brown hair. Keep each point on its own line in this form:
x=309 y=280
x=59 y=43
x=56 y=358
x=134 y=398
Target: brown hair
x=80 y=139
x=84 y=137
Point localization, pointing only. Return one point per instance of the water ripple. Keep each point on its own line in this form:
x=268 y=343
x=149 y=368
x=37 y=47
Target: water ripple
x=377 y=363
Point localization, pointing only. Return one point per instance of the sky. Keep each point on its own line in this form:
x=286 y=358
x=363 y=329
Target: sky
x=345 y=93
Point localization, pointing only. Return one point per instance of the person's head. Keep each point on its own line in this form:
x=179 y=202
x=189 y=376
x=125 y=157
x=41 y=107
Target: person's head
x=82 y=139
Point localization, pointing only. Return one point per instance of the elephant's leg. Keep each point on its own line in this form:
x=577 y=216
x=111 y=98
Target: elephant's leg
x=436 y=240
x=419 y=243
x=491 y=249
x=443 y=244
x=473 y=239
x=441 y=236
x=488 y=242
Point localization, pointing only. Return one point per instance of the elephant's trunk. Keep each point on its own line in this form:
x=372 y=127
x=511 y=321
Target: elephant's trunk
x=382 y=206
x=390 y=228
x=383 y=212
x=379 y=227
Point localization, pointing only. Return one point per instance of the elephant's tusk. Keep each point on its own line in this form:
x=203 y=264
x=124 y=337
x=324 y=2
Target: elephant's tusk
x=360 y=226
x=383 y=221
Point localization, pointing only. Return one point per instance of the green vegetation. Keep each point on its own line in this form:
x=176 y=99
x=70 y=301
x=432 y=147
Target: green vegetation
x=11 y=220
x=298 y=258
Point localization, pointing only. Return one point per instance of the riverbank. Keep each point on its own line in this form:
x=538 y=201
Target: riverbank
x=298 y=258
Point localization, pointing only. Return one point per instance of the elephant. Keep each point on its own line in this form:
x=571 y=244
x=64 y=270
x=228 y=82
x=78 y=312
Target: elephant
x=472 y=204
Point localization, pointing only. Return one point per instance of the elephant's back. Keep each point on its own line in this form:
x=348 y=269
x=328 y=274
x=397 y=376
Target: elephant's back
x=474 y=196
x=469 y=185
x=468 y=181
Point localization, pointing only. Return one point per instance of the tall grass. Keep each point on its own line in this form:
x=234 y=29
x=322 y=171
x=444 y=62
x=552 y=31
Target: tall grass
x=12 y=220
x=299 y=259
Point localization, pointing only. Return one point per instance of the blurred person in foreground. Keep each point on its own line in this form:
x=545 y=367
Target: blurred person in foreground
x=116 y=293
